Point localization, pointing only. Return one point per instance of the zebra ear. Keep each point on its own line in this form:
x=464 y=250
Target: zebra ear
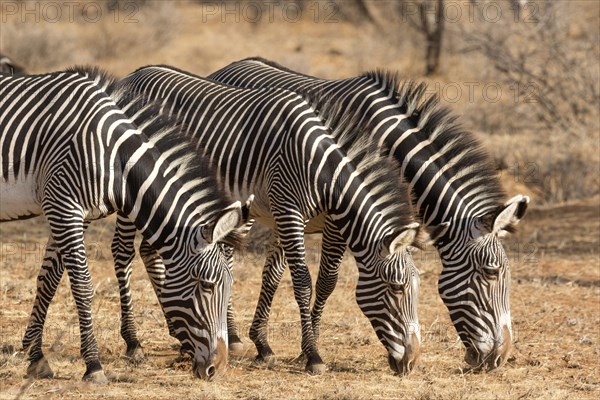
x=228 y=220
x=437 y=231
x=236 y=238
x=400 y=238
x=513 y=211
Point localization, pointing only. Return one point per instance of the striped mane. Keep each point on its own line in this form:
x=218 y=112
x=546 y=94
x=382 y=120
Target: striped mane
x=380 y=173
x=180 y=151
x=438 y=126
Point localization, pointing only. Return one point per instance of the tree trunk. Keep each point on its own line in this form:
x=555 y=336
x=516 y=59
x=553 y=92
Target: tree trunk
x=433 y=34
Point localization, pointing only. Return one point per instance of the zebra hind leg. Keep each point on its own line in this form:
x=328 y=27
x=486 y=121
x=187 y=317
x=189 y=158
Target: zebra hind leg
x=123 y=251
x=47 y=282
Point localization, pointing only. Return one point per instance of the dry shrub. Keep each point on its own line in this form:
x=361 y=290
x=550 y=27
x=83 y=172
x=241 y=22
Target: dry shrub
x=108 y=29
x=140 y=27
x=544 y=56
x=39 y=47
x=555 y=166
x=543 y=52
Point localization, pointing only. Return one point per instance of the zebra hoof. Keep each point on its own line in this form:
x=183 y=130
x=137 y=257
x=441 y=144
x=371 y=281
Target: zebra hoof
x=96 y=377
x=265 y=358
x=315 y=365
x=265 y=354
x=235 y=344
x=40 y=369
x=315 y=369
x=135 y=355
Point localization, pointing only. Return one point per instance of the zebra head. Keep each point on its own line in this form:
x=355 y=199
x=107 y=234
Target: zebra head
x=195 y=299
x=9 y=66
x=388 y=292
x=475 y=281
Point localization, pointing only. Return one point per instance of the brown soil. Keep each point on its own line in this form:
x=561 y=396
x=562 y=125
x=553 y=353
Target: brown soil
x=555 y=303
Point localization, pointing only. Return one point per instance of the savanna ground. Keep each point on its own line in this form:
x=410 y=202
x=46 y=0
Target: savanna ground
x=555 y=300
x=555 y=255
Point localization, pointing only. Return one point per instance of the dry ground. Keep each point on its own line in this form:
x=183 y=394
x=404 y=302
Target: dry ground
x=555 y=256
x=555 y=302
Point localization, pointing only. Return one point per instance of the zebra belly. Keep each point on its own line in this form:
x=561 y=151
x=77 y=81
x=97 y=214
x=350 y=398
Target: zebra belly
x=261 y=212
x=18 y=199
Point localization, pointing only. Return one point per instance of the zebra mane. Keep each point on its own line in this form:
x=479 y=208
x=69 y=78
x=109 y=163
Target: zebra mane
x=167 y=135
x=437 y=124
x=440 y=128
x=102 y=78
x=273 y=64
x=380 y=173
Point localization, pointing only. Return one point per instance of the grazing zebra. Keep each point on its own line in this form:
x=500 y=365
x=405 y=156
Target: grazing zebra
x=7 y=65
x=271 y=143
x=457 y=195
x=70 y=153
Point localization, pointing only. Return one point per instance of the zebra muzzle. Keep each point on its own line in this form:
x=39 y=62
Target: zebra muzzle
x=409 y=360
x=209 y=369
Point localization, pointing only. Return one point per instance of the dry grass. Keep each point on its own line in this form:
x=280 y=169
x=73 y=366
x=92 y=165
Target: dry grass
x=556 y=279
x=555 y=303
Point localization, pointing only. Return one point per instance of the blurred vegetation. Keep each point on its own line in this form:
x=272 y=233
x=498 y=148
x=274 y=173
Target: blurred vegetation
x=526 y=72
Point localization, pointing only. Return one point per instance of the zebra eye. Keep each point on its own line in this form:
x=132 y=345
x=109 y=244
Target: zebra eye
x=491 y=272
x=207 y=285
x=397 y=288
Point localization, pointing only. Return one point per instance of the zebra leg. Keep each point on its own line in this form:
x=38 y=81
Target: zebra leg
x=233 y=337
x=71 y=247
x=123 y=251
x=47 y=282
x=157 y=274
x=290 y=227
x=271 y=276
x=332 y=253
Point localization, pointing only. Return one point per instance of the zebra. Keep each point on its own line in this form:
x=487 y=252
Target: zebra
x=270 y=142
x=71 y=152
x=456 y=193
x=9 y=66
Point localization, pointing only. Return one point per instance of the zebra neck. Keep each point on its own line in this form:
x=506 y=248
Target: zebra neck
x=359 y=220
x=149 y=194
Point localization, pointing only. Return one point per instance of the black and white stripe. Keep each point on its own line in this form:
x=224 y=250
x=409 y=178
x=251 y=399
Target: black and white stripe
x=74 y=154
x=457 y=192
x=271 y=143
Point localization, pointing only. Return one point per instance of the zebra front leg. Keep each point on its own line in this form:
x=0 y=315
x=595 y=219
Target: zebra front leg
x=290 y=228
x=47 y=282
x=233 y=338
x=123 y=251
x=157 y=273
x=71 y=248
x=332 y=253
x=271 y=276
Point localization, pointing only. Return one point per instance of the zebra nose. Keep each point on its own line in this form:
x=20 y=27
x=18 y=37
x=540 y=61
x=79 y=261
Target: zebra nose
x=502 y=350
x=490 y=355
x=413 y=351
x=210 y=372
x=204 y=372
x=409 y=360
